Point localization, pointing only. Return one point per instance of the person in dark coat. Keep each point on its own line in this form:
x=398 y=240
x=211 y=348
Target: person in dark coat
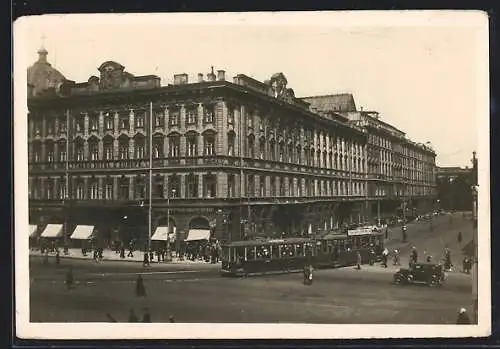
x=69 y=278
x=463 y=318
x=145 y=262
x=140 y=290
x=122 y=252
x=459 y=238
x=429 y=259
x=151 y=256
x=306 y=274
x=131 y=316
x=58 y=258
x=146 y=317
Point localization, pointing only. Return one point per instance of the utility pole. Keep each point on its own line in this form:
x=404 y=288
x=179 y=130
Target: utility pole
x=474 y=235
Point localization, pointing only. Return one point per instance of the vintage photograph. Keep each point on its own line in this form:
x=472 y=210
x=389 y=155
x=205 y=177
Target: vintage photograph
x=271 y=172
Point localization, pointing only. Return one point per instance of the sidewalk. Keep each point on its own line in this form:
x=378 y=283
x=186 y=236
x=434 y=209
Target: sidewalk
x=109 y=255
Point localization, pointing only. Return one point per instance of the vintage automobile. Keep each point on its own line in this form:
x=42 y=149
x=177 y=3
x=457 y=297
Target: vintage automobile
x=428 y=273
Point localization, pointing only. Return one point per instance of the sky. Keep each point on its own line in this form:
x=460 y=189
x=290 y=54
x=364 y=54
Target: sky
x=420 y=72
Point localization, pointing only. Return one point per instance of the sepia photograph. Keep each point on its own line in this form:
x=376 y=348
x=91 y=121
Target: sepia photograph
x=252 y=175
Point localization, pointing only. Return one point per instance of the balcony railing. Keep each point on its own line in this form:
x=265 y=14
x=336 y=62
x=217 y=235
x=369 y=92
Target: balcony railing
x=215 y=161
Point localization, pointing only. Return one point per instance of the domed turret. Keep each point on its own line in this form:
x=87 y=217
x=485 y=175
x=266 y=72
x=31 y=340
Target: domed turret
x=42 y=76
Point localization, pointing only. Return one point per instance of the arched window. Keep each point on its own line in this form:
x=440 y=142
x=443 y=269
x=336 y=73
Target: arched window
x=272 y=149
x=79 y=149
x=158 y=146
x=61 y=147
x=251 y=147
x=209 y=144
x=93 y=148
x=191 y=144
x=139 y=146
x=49 y=149
x=108 y=148
x=123 y=147
x=174 y=143
x=262 y=148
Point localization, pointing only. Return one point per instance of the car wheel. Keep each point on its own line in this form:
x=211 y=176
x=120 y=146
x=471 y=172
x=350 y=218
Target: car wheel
x=397 y=281
x=432 y=283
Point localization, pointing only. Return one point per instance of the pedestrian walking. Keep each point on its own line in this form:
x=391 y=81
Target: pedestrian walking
x=428 y=259
x=385 y=256
x=306 y=276
x=69 y=278
x=463 y=318
x=395 y=258
x=151 y=256
x=310 y=276
x=158 y=255
x=58 y=258
x=145 y=261
x=459 y=237
x=122 y=253
x=140 y=290
x=146 y=317
x=358 y=260
x=131 y=316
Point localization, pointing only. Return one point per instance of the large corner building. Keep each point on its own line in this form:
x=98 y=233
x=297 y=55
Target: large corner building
x=241 y=158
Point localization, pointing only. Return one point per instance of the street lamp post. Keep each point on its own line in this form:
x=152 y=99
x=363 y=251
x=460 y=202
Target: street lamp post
x=169 y=251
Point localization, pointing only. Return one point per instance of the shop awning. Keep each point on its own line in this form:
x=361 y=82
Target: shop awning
x=198 y=234
x=33 y=229
x=52 y=231
x=160 y=234
x=82 y=232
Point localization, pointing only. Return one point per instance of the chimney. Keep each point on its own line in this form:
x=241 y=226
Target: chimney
x=361 y=108
x=180 y=79
x=200 y=77
x=221 y=75
x=211 y=75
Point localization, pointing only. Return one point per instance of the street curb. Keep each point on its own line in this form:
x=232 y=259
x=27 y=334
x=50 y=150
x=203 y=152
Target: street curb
x=123 y=260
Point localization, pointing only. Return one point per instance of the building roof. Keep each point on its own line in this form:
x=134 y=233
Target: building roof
x=343 y=102
x=42 y=76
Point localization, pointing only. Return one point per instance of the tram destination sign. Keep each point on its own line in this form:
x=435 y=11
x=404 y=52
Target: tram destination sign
x=360 y=231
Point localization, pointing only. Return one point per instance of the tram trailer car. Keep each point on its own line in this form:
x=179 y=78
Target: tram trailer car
x=243 y=258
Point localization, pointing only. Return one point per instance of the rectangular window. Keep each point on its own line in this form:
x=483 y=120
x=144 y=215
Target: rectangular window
x=80 y=191
x=174 y=118
x=109 y=122
x=273 y=186
x=191 y=146
x=209 y=146
x=50 y=153
x=49 y=189
x=79 y=153
x=262 y=186
x=108 y=152
x=140 y=152
x=250 y=120
x=94 y=151
x=262 y=149
x=94 y=123
x=230 y=116
x=62 y=189
x=192 y=186
x=62 y=125
x=124 y=188
x=139 y=120
x=174 y=146
x=94 y=190
x=108 y=190
x=191 y=115
x=80 y=124
x=159 y=119
x=124 y=122
x=50 y=126
x=208 y=115
x=231 y=185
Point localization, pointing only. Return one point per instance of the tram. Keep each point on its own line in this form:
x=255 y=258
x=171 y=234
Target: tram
x=340 y=250
x=242 y=258
x=258 y=257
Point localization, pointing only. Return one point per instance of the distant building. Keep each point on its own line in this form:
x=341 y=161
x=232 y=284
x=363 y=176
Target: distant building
x=454 y=185
x=240 y=159
x=398 y=169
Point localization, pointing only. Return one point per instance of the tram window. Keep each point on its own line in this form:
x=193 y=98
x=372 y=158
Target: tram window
x=299 y=250
x=240 y=253
x=263 y=252
x=275 y=251
x=225 y=254
x=250 y=253
x=308 y=250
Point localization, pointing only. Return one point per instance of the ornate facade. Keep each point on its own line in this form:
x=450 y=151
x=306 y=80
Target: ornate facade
x=245 y=157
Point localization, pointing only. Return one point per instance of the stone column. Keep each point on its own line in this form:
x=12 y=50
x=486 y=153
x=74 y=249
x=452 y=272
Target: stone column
x=85 y=188
x=182 y=194
x=131 y=122
x=131 y=148
x=115 y=188
x=201 y=180
x=131 y=188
